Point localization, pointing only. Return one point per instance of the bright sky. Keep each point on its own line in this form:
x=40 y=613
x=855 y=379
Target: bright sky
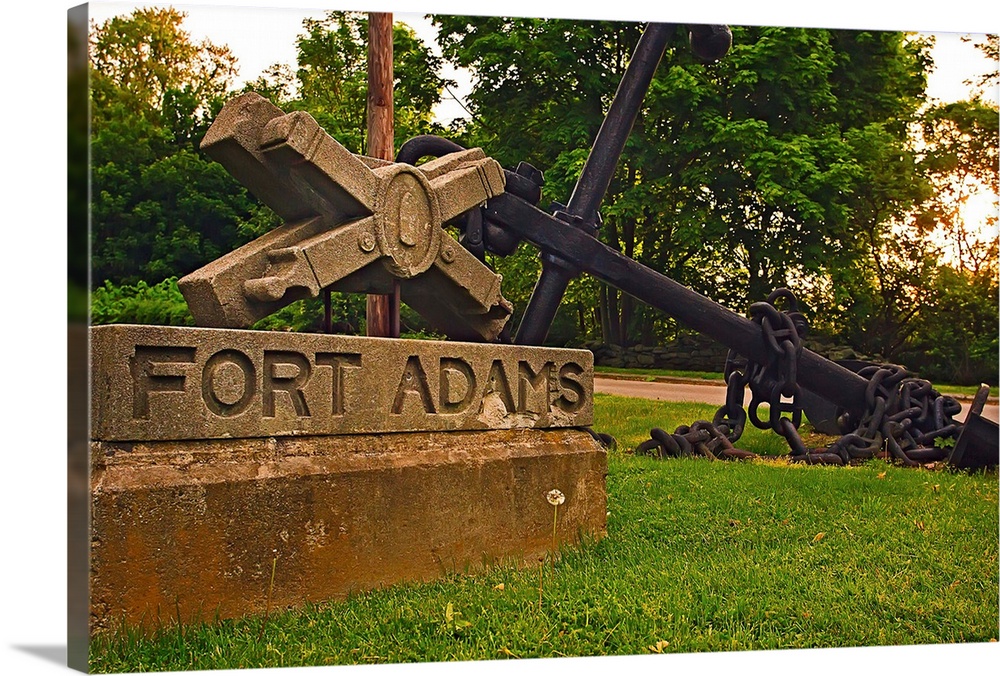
x=262 y=36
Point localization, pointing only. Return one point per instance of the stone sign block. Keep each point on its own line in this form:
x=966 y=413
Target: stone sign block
x=191 y=530
x=169 y=383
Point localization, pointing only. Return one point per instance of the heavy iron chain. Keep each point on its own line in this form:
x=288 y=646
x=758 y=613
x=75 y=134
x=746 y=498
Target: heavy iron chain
x=903 y=414
x=903 y=418
x=772 y=382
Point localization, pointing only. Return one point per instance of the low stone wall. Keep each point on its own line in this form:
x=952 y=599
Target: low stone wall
x=687 y=354
x=697 y=353
x=193 y=529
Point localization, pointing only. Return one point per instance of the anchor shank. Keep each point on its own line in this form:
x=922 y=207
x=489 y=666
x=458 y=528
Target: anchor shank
x=551 y=235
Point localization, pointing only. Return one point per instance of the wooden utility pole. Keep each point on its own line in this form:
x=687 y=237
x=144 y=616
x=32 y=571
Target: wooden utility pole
x=383 y=311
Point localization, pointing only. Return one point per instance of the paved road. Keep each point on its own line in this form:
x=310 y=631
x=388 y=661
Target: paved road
x=709 y=394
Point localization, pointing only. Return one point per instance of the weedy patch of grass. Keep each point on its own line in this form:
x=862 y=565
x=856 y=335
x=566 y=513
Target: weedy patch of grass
x=699 y=556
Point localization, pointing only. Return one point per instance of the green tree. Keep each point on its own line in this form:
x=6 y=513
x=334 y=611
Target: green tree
x=160 y=207
x=139 y=58
x=878 y=301
x=956 y=338
x=872 y=299
x=78 y=166
x=739 y=176
x=961 y=157
x=955 y=334
x=990 y=48
x=331 y=79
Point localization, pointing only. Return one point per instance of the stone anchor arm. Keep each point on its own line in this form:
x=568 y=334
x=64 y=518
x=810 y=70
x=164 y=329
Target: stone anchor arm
x=350 y=213
x=215 y=293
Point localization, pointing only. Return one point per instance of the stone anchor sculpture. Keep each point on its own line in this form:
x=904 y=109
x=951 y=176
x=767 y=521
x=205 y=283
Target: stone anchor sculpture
x=227 y=461
x=353 y=224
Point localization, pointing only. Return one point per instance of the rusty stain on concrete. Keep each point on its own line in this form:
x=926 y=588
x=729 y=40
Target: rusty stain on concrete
x=193 y=526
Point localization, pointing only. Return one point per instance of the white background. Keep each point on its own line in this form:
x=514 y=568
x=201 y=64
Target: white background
x=33 y=432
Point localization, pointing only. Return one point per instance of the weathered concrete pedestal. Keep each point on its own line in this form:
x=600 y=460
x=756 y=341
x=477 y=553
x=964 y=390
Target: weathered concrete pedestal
x=352 y=462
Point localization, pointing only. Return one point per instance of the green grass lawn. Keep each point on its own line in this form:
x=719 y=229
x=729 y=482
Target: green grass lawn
x=699 y=556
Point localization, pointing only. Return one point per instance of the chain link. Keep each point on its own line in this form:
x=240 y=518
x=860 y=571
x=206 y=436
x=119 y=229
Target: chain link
x=904 y=416
x=773 y=382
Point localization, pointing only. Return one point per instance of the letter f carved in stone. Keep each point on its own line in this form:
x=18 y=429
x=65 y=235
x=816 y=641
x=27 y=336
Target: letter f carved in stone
x=343 y=214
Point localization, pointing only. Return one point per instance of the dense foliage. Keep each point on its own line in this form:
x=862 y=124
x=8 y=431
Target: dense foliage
x=805 y=158
x=739 y=176
x=140 y=303
x=331 y=80
x=161 y=208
